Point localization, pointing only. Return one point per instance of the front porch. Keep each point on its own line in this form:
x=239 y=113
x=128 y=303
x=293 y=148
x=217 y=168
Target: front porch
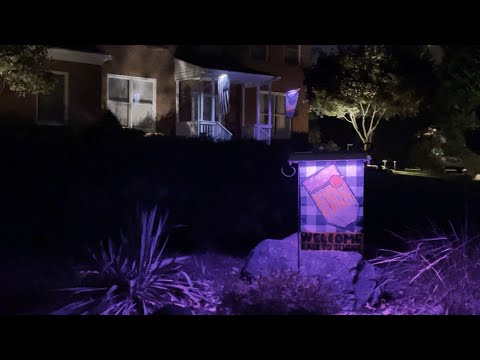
x=198 y=108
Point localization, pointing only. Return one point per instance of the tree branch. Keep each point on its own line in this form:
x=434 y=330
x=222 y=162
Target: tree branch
x=343 y=116
x=368 y=107
x=372 y=119
x=355 y=126
x=363 y=120
x=383 y=113
x=378 y=121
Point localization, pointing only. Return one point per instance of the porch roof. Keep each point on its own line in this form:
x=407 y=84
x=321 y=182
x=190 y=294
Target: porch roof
x=82 y=48
x=188 y=71
x=79 y=54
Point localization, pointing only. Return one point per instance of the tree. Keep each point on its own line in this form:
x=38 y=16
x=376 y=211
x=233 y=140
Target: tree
x=458 y=97
x=457 y=100
x=21 y=69
x=362 y=85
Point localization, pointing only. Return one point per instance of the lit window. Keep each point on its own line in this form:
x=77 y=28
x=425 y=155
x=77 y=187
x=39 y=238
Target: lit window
x=132 y=100
x=292 y=54
x=259 y=53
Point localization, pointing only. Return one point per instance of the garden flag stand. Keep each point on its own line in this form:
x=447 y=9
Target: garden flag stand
x=223 y=96
x=330 y=201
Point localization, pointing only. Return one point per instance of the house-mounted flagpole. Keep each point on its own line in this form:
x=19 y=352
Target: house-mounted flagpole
x=291 y=100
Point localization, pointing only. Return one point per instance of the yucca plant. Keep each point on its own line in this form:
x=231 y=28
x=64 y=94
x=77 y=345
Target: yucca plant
x=129 y=281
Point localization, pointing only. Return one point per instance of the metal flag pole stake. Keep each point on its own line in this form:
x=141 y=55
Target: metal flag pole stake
x=298 y=224
x=294 y=172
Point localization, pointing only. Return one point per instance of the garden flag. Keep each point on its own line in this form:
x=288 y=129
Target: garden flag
x=333 y=197
x=331 y=202
x=224 y=95
x=291 y=99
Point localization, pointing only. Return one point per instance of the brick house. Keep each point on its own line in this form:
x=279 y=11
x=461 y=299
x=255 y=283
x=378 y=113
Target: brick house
x=171 y=89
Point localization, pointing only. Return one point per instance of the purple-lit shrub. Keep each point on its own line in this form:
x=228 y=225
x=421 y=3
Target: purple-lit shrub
x=126 y=282
x=441 y=270
x=280 y=294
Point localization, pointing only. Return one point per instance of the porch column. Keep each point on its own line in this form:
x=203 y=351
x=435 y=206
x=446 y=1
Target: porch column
x=200 y=106
x=213 y=99
x=243 y=106
x=202 y=89
x=177 y=100
x=258 y=104
x=270 y=103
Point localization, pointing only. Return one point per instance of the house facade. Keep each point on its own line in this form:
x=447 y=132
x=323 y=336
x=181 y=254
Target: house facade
x=172 y=89
x=260 y=76
x=286 y=62
x=76 y=100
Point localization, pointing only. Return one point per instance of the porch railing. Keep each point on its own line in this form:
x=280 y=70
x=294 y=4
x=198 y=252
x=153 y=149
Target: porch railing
x=215 y=130
x=223 y=134
x=262 y=133
x=207 y=128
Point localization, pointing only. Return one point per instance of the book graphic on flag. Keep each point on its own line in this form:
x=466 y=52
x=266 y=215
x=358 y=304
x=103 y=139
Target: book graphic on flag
x=333 y=197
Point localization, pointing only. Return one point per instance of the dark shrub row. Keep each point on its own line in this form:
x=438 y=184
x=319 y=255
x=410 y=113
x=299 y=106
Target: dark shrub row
x=64 y=190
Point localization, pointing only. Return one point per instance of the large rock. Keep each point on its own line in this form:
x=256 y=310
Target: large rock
x=353 y=280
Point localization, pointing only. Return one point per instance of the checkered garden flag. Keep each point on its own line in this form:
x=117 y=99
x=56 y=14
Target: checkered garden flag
x=331 y=196
x=224 y=95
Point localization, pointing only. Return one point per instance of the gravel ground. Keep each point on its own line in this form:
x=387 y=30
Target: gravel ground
x=222 y=270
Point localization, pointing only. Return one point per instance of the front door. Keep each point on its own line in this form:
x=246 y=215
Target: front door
x=204 y=108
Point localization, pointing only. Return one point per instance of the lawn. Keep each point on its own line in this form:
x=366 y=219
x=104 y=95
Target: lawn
x=394 y=203
x=70 y=194
x=409 y=205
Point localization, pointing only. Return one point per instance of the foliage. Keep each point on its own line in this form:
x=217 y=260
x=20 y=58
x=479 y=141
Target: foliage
x=107 y=126
x=279 y=294
x=417 y=67
x=22 y=69
x=457 y=100
x=441 y=269
x=109 y=121
x=458 y=97
x=314 y=133
x=129 y=281
x=471 y=161
x=427 y=150
x=331 y=146
x=455 y=145
x=362 y=85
